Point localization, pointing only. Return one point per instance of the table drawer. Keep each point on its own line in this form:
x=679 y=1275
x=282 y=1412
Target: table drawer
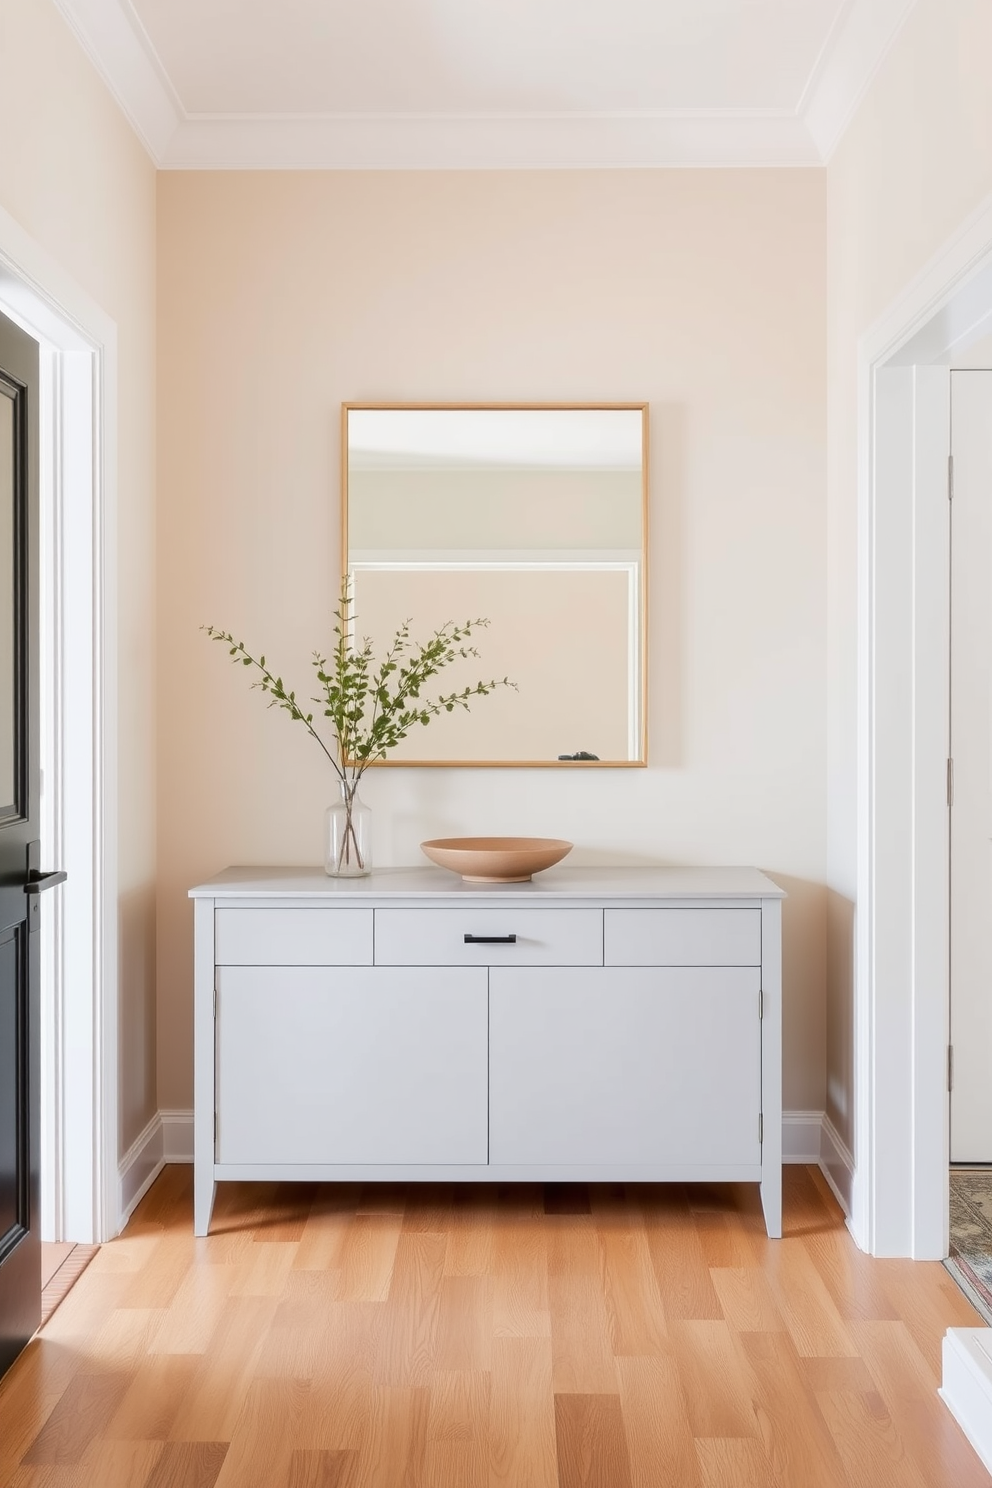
x=682 y=937
x=293 y=937
x=503 y=937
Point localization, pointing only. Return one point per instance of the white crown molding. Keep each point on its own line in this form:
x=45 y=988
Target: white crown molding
x=480 y=142
x=118 y=46
x=854 y=51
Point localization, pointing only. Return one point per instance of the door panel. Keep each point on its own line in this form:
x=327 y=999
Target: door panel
x=20 y=1251
x=971 y=750
x=9 y=691
x=336 y=1064
x=635 y=1065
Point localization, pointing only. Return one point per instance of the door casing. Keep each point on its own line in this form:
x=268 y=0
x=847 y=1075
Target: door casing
x=80 y=1139
x=900 y=1189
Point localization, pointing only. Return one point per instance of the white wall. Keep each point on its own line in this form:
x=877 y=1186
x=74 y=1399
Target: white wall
x=74 y=177
x=283 y=295
x=916 y=161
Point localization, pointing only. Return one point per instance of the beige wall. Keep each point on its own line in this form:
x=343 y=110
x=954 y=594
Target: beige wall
x=74 y=176
x=915 y=162
x=282 y=295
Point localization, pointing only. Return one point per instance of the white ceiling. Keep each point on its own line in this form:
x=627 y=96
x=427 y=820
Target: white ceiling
x=486 y=83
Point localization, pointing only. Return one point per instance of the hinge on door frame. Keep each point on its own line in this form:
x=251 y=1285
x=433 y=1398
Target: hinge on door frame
x=950 y=1067
x=950 y=782
x=950 y=477
x=761 y=1128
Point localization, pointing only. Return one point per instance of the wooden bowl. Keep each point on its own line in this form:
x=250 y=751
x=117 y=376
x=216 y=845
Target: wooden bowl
x=496 y=859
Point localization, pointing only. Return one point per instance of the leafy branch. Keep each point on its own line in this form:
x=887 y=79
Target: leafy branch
x=371 y=706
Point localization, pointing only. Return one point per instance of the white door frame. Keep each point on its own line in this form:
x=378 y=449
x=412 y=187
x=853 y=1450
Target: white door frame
x=900 y=1190
x=78 y=414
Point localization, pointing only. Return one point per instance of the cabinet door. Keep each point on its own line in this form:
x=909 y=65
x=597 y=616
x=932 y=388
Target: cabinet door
x=657 y=1065
x=351 y=1065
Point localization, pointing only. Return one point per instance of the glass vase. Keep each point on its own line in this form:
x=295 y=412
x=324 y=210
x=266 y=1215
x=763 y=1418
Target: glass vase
x=348 y=835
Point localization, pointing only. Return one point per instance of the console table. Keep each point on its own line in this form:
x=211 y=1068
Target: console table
x=594 y=1025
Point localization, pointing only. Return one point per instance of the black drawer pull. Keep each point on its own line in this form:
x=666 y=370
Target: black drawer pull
x=490 y=939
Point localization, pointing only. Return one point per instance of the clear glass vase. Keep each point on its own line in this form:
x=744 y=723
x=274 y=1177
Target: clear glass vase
x=348 y=835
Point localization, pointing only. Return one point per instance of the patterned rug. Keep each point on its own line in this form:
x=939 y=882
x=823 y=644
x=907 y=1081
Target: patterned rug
x=970 y=1260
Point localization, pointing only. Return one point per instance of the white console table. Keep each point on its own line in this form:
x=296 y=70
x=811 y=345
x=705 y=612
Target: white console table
x=595 y=1025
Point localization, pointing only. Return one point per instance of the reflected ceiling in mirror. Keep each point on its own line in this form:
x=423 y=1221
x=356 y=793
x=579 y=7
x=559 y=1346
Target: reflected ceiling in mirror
x=533 y=517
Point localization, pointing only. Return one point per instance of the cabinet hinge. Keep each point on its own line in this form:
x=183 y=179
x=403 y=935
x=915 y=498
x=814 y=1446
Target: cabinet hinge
x=950 y=782
x=950 y=1067
x=950 y=477
x=761 y=1128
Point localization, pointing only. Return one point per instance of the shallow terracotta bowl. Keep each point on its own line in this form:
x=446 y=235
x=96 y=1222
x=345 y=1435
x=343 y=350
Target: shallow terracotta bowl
x=496 y=859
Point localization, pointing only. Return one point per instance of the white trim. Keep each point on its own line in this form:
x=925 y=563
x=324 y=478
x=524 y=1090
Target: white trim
x=112 y=36
x=931 y=294
x=966 y=1386
x=168 y=1138
x=678 y=138
x=836 y=1164
x=79 y=444
x=120 y=50
x=861 y=39
x=803 y=1134
x=899 y=1198
x=52 y=824
x=70 y=828
x=177 y=1128
x=139 y=1167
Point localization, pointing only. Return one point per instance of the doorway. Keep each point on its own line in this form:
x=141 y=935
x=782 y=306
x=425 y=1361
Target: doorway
x=78 y=359
x=900 y=1195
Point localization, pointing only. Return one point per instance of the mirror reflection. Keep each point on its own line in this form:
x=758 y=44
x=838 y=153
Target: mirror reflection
x=533 y=517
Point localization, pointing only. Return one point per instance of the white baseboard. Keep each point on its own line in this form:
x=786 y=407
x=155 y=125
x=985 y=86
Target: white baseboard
x=138 y=1169
x=966 y=1385
x=837 y=1164
x=801 y=1136
x=168 y=1138
x=177 y=1131
x=807 y=1137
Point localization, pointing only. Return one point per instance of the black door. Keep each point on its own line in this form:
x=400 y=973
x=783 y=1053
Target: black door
x=20 y=879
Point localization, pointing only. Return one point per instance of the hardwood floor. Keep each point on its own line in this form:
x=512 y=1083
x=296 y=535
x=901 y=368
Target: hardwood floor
x=349 y=1337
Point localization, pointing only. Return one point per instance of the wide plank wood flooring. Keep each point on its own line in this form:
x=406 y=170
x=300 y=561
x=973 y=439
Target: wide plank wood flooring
x=470 y=1337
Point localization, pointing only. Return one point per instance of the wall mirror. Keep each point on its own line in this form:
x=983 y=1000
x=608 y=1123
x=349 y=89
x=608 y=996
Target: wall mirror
x=534 y=517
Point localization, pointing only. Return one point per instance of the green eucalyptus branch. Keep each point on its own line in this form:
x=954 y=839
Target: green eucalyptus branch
x=371 y=706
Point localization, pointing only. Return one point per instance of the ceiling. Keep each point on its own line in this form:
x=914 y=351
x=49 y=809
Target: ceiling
x=475 y=84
